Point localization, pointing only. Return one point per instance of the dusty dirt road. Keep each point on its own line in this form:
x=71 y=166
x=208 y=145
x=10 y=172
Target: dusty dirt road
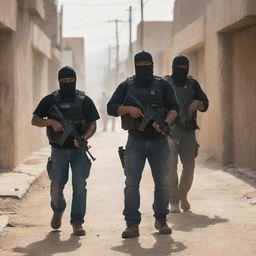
x=222 y=222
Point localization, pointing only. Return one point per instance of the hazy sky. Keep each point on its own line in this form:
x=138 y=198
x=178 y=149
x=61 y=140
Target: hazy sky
x=89 y=19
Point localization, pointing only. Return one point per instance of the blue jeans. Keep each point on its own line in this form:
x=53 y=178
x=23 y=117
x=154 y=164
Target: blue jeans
x=156 y=151
x=58 y=170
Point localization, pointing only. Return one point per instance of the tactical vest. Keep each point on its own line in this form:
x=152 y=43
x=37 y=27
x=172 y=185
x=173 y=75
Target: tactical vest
x=150 y=96
x=72 y=111
x=185 y=95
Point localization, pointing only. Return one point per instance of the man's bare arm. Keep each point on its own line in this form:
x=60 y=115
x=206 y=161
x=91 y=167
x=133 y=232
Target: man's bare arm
x=171 y=116
x=41 y=122
x=133 y=111
x=91 y=130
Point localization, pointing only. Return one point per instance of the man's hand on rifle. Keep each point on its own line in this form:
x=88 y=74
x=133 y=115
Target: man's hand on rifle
x=56 y=126
x=157 y=128
x=76 y=143
x=194 y=106
x=135 y=112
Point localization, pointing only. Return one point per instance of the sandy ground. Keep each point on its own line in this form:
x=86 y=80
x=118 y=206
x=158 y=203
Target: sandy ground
x=222 y=220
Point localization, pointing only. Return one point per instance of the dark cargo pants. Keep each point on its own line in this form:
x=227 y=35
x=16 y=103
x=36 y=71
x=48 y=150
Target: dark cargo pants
x=187 y=151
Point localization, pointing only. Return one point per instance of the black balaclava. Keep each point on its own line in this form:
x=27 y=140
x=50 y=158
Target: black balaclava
x=67 y=90
x=143 y=73
x=179 y=75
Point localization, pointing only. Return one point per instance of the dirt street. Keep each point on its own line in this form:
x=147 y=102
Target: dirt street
x=222 y=221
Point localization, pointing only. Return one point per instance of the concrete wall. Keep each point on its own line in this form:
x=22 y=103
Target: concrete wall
x=8 y=14
x=157 y=36
x=7 y=103
x=221 y=46
x=221 y=21
x=52 y=29
x=32 y=51
x=243 y=96
x=186 y=11
x=25 y=56
x=191 y=37
x=74 y=54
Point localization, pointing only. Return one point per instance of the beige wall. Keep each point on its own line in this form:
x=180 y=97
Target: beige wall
x=8 y=14
x=186 y=11
x=32 y=49
x=191 y=37
x=221 y=47
x=218 y=72
x=157 y=36
x=76 y=47
x=24 y=64
x=6 y=100
x=52 y=29
x=244 y=97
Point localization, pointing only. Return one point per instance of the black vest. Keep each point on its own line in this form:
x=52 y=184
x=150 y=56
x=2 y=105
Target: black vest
x=185 y=95
x=151 y=95
x=72 y=110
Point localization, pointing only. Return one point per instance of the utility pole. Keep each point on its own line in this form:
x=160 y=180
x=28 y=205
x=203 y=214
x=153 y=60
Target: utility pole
x=130 y=39
x=111 y=49
x=117 y=47
x=142 y=25
x=109 y=65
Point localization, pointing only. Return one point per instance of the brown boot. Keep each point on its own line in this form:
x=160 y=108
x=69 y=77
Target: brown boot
x=131 y=230
x=175 y=208
x=78 y=229
x=56 y=220
x=184 y=203
x=161 y=225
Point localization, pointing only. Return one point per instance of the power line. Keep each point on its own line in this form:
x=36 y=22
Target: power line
x=146 y=2
x=96 y=5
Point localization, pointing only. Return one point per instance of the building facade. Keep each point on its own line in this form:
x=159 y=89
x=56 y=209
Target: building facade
x=28 y=53
x=73 y=54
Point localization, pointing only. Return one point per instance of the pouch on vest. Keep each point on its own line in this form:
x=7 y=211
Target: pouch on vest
x=151 y=96
x=185 y=95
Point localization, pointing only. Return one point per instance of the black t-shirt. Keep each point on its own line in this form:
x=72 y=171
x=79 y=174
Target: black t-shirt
x=169 y=101
x=88 y=108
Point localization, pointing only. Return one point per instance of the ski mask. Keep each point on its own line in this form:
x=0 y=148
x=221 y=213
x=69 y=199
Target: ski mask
x=144 y=73
x=179 y=74
x=67 y=89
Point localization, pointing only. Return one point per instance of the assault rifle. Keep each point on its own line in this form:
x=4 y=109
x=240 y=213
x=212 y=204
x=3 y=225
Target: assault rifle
x=150 y=115
x=69 y=129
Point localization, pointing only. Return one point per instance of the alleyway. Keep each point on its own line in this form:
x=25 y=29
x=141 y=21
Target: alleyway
x=221 y=223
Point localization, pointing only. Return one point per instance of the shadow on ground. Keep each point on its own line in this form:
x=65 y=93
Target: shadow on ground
x=50 y=245
x=188 y=221
x=163 y=246
x=206 y=161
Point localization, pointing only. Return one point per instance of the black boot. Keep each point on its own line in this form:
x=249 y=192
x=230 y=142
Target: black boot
x=161 y=225
x=78 y=229
x=131 y=230
x=56 y=220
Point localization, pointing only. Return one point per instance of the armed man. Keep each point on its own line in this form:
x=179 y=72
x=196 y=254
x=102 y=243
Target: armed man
x=70 y=118
x=190 y=98
x=146 y=140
